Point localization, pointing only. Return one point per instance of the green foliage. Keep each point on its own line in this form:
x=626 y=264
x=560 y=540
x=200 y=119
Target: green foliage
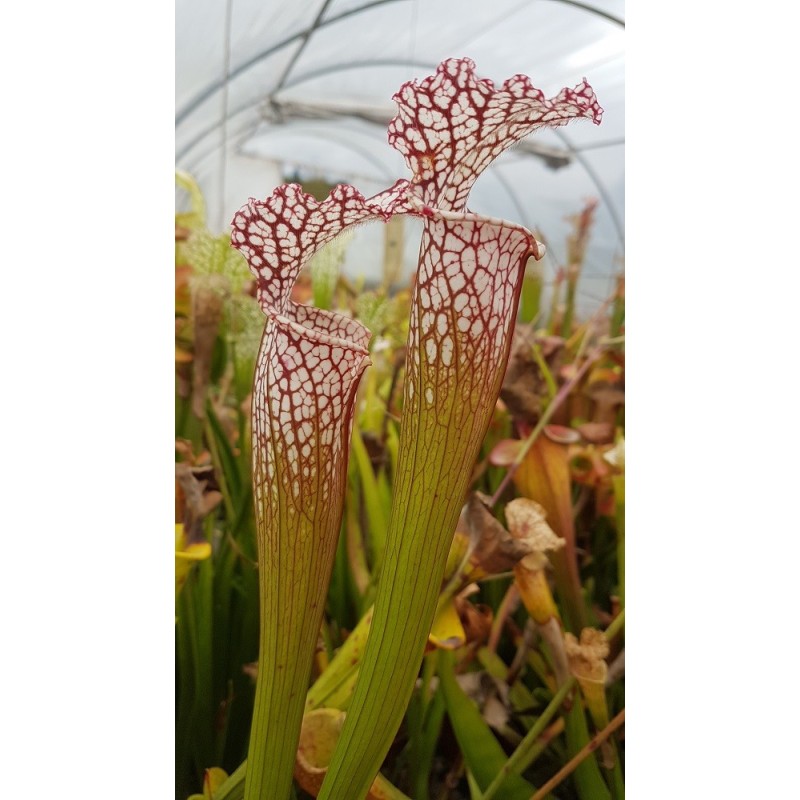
x=325 y=267
x=531 y=297
x=588 y=779
x=483 y=754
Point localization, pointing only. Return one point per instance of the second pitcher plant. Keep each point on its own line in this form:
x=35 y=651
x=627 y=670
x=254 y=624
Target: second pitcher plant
x=449 y=128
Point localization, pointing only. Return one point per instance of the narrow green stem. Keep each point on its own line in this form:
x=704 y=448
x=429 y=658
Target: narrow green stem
x=474 y=789
x=618 y=314
x=616 y=626
x=544 y=741
x=615 y=779
x=233 y=788
x=545 y=370
x=428 y=671
x=619 y=496
x=522 y=756
x=554 y=299
x=569 y=311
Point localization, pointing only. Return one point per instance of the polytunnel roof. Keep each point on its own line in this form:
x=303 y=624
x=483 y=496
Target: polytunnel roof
x=267 y=93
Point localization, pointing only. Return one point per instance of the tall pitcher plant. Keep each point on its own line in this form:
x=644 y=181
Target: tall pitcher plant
x=307 y=373
x=449 y=128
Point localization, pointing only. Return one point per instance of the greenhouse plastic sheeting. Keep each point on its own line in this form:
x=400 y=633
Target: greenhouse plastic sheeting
x=266 y=92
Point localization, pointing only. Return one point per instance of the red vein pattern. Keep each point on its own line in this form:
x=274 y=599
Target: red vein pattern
x=309 y=365
x=465 y=299
x=451 y=126
x=278 y=236
x=310 y=359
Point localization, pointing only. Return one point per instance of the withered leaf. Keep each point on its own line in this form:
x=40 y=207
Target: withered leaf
x=476 y=619
x=597 y=432
x=198 y=499
x=525 y=391
x=607 y=394
x=494 y=549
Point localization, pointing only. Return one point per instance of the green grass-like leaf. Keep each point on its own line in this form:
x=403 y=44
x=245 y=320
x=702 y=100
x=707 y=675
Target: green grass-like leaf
x=482 y=752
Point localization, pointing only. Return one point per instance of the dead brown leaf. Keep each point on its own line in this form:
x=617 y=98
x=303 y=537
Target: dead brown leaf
x=524 y=390
x=476 y=620
x=198 y=499
x=494 y=549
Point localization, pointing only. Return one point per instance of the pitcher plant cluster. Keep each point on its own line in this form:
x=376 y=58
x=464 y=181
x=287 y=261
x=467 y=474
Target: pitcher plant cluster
x=466 y=294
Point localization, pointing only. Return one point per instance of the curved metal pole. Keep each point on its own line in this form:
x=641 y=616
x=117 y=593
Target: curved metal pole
x=601 y=189
x=303 y=44
x=203 y=95
x=346 y=65
x=593 y=10
x=523 y=215
x=187 y=148
x=308 y=76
